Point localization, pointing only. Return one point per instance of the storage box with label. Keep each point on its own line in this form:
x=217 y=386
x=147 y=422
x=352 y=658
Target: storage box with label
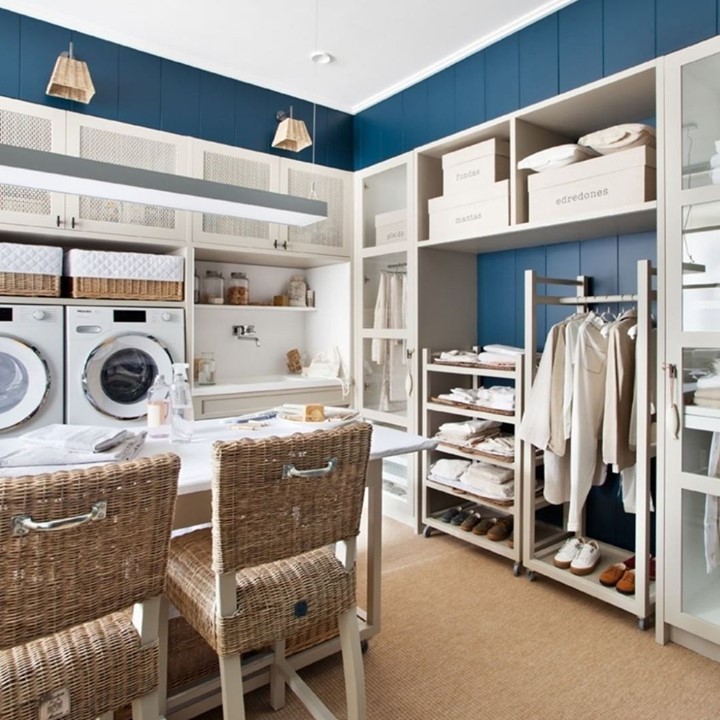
x=30 y=270
x=602 y=183
x=475 y=167
x=391 y=227
x=456 y=217
x=124 y=275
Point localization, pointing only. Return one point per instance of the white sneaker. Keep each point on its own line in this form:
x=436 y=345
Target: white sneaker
x=586 y=559
x=567 y=553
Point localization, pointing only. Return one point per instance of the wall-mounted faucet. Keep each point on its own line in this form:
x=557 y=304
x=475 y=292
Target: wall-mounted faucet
x=246 y=332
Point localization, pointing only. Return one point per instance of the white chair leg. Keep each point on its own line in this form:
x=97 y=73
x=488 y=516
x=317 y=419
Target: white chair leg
x=352 y=665
x=277 y=678
x=232 y=687
x=146 y=708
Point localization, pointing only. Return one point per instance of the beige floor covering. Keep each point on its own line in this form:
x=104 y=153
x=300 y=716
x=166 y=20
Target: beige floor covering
x=463 y=638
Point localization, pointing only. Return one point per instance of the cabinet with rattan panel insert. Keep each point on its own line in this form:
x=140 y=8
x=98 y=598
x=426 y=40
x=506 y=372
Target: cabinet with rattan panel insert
x=441 y=495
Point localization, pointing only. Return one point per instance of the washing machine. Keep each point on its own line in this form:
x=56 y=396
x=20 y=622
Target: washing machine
x=31 y=367
x=113 y=356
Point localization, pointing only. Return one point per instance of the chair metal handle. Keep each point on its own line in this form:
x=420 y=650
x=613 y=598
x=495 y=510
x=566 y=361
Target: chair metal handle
x=290 y=470
x=23 y=524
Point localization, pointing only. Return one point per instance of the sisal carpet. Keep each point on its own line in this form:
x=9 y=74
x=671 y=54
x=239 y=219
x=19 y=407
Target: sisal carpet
x=463 y=638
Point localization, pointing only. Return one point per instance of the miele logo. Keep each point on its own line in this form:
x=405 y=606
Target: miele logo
x=466 y=175
x=468 y=218
x=80 y=311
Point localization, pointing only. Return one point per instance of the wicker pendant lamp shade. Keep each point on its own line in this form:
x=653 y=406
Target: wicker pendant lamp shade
x=71 y=79
x=291 y=134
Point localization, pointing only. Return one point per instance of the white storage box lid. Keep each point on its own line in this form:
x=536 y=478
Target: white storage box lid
x=31 y=259
x=595 y=167
x=493 y=191
x=124 y=265
x=494 y=146
x=390 y=218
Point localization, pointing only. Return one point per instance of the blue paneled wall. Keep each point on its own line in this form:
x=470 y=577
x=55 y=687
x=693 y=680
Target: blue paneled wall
x=582 y=42
x=142 y=89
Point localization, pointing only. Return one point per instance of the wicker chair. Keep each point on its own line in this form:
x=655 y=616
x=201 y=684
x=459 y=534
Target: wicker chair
x=78 y=548
x=267 y=569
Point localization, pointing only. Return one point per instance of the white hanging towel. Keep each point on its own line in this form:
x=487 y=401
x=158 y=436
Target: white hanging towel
x=712 y=510
x=378 y=349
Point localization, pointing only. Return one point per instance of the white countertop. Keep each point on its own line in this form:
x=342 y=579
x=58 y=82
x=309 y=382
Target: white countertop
x=264 y=383
x=195 y=456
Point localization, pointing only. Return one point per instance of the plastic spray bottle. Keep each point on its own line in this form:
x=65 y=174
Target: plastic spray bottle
x=158 y=409
x=181 y=408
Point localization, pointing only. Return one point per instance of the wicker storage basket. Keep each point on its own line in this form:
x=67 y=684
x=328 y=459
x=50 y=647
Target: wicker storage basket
x=30 y=270
x=124 y=276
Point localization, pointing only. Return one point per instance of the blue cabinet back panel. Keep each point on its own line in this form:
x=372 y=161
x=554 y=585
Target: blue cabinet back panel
x=441 y=104
x=502 y=77
x=580 y=43
x=145 y=90
x=414 y=120
x=539 y=71
x=629 y=33
x=470 y=91
x=684 y=23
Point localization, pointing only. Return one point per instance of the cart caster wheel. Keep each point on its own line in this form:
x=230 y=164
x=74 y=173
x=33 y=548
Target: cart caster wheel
x=427 y=531
x=364 y=645
x=644 y=623
x=531 y=575
x=517 y=569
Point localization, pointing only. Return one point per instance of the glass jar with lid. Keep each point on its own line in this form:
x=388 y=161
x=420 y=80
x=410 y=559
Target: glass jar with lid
x=214 y=287
x=297 y=291
x=238 y=289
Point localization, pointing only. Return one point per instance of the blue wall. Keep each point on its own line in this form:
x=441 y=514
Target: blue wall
x=146 y=90
x=585 y=41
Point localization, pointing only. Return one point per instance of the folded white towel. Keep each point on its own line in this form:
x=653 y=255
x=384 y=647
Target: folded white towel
x=709 y=381
x=467 y=429
x=619 y=137
x=486 y=472
x=458 y=356
x=502 y=491
x=21 y=455
x=489 y=358
x=75 y=438
x=450 y=469
x=715 y=176
x=556 y=157
x=504 y=349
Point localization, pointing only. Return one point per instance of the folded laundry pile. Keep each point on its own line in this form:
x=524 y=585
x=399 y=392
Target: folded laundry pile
x=458 y=356
x=707 y=397
x=447 y=470
x=71 y=445
x=497 y=397
x=500 y=355
x=502 y=445
x=489 y=480
x=461 y=433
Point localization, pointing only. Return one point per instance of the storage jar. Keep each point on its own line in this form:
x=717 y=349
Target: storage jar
x=297 y=291
x=214 y=288
x=238 y=290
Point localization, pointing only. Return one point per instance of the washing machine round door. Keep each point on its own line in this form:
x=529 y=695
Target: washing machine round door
x=24 y=382
x=119 y=372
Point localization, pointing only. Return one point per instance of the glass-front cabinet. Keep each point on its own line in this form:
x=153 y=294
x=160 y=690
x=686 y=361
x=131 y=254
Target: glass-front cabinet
x=385 y=332
x=691 y=475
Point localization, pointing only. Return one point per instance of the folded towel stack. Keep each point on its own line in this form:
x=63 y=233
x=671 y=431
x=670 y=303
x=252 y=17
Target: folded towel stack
x=490 y=481
x=619 y=137
x=71 y=445
x=496 y=397
x=708 y=397
x=458 y=356
x=461 y=432
x=501 y=445
x=447 y=469
x=708 y=381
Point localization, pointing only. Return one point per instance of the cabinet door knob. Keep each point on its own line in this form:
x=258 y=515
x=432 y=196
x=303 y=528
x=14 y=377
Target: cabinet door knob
x=57 y=221
x=72 y=223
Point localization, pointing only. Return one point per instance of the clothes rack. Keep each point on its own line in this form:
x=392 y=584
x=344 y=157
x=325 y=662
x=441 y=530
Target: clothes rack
x=538 y=556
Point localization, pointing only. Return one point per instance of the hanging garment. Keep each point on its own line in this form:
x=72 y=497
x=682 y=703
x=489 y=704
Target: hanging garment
x=572 y=328
x=712 y=510
x=378 y=347
x=396 y=354
x=586 y=468
x=619 y=393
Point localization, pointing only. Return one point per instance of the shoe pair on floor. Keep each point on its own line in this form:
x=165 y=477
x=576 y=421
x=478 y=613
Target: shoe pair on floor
x=470 y=520
x=579 y=555
x=621 y=576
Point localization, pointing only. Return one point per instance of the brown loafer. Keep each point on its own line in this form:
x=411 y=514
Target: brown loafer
x=501 y=529
x=626 y=584
x=610 y=576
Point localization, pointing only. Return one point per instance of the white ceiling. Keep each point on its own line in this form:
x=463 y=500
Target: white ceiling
x=380 y=46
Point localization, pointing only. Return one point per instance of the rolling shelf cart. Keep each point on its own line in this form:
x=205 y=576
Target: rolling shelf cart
x=540 y=560
x=438 y=497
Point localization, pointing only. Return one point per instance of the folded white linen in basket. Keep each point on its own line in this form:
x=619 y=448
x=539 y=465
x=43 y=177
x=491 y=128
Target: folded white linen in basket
x=485 y=472
x=499 y=445
x=20 y=454
x=75 y=438
x=458 y=356
x=499 y=491
x=556 y=157
x=467 y=429
x=490 y=358
x=503 y=349
x=449 y=469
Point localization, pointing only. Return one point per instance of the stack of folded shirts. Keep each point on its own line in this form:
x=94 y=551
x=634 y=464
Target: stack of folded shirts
x=501 y=355
x=71 y=445
x=619 y=137
x=501 y=445
x=490 y=481
x=460 y=433
x=707 y=396
x=448 y=469
x=496 y=397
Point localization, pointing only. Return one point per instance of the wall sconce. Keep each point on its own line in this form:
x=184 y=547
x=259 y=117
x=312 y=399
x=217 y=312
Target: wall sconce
x=291 y=133
x=70 y=79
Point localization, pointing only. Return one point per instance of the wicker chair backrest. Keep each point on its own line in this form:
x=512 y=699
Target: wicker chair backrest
x=54 y=579
x=263 y=512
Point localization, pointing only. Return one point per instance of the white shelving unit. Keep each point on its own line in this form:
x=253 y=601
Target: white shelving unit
x=437 y=497
x=540 y=561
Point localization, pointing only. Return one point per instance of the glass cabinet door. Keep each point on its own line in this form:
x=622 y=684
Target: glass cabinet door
x=692 y=342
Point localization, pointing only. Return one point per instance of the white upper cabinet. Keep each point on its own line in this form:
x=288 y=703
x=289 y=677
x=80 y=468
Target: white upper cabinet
x=121 y=144
x=36 y=128
x=244 y=168
x=332 y=236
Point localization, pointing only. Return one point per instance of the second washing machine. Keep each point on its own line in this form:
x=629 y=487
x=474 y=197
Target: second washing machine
x=113 y=357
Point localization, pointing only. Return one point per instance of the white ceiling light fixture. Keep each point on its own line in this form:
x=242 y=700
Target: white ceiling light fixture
x=291 y=134
x=70 y=79
x=78 y=176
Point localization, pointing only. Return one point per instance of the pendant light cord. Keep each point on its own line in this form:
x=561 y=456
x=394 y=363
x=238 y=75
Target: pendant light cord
x=314 y=117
